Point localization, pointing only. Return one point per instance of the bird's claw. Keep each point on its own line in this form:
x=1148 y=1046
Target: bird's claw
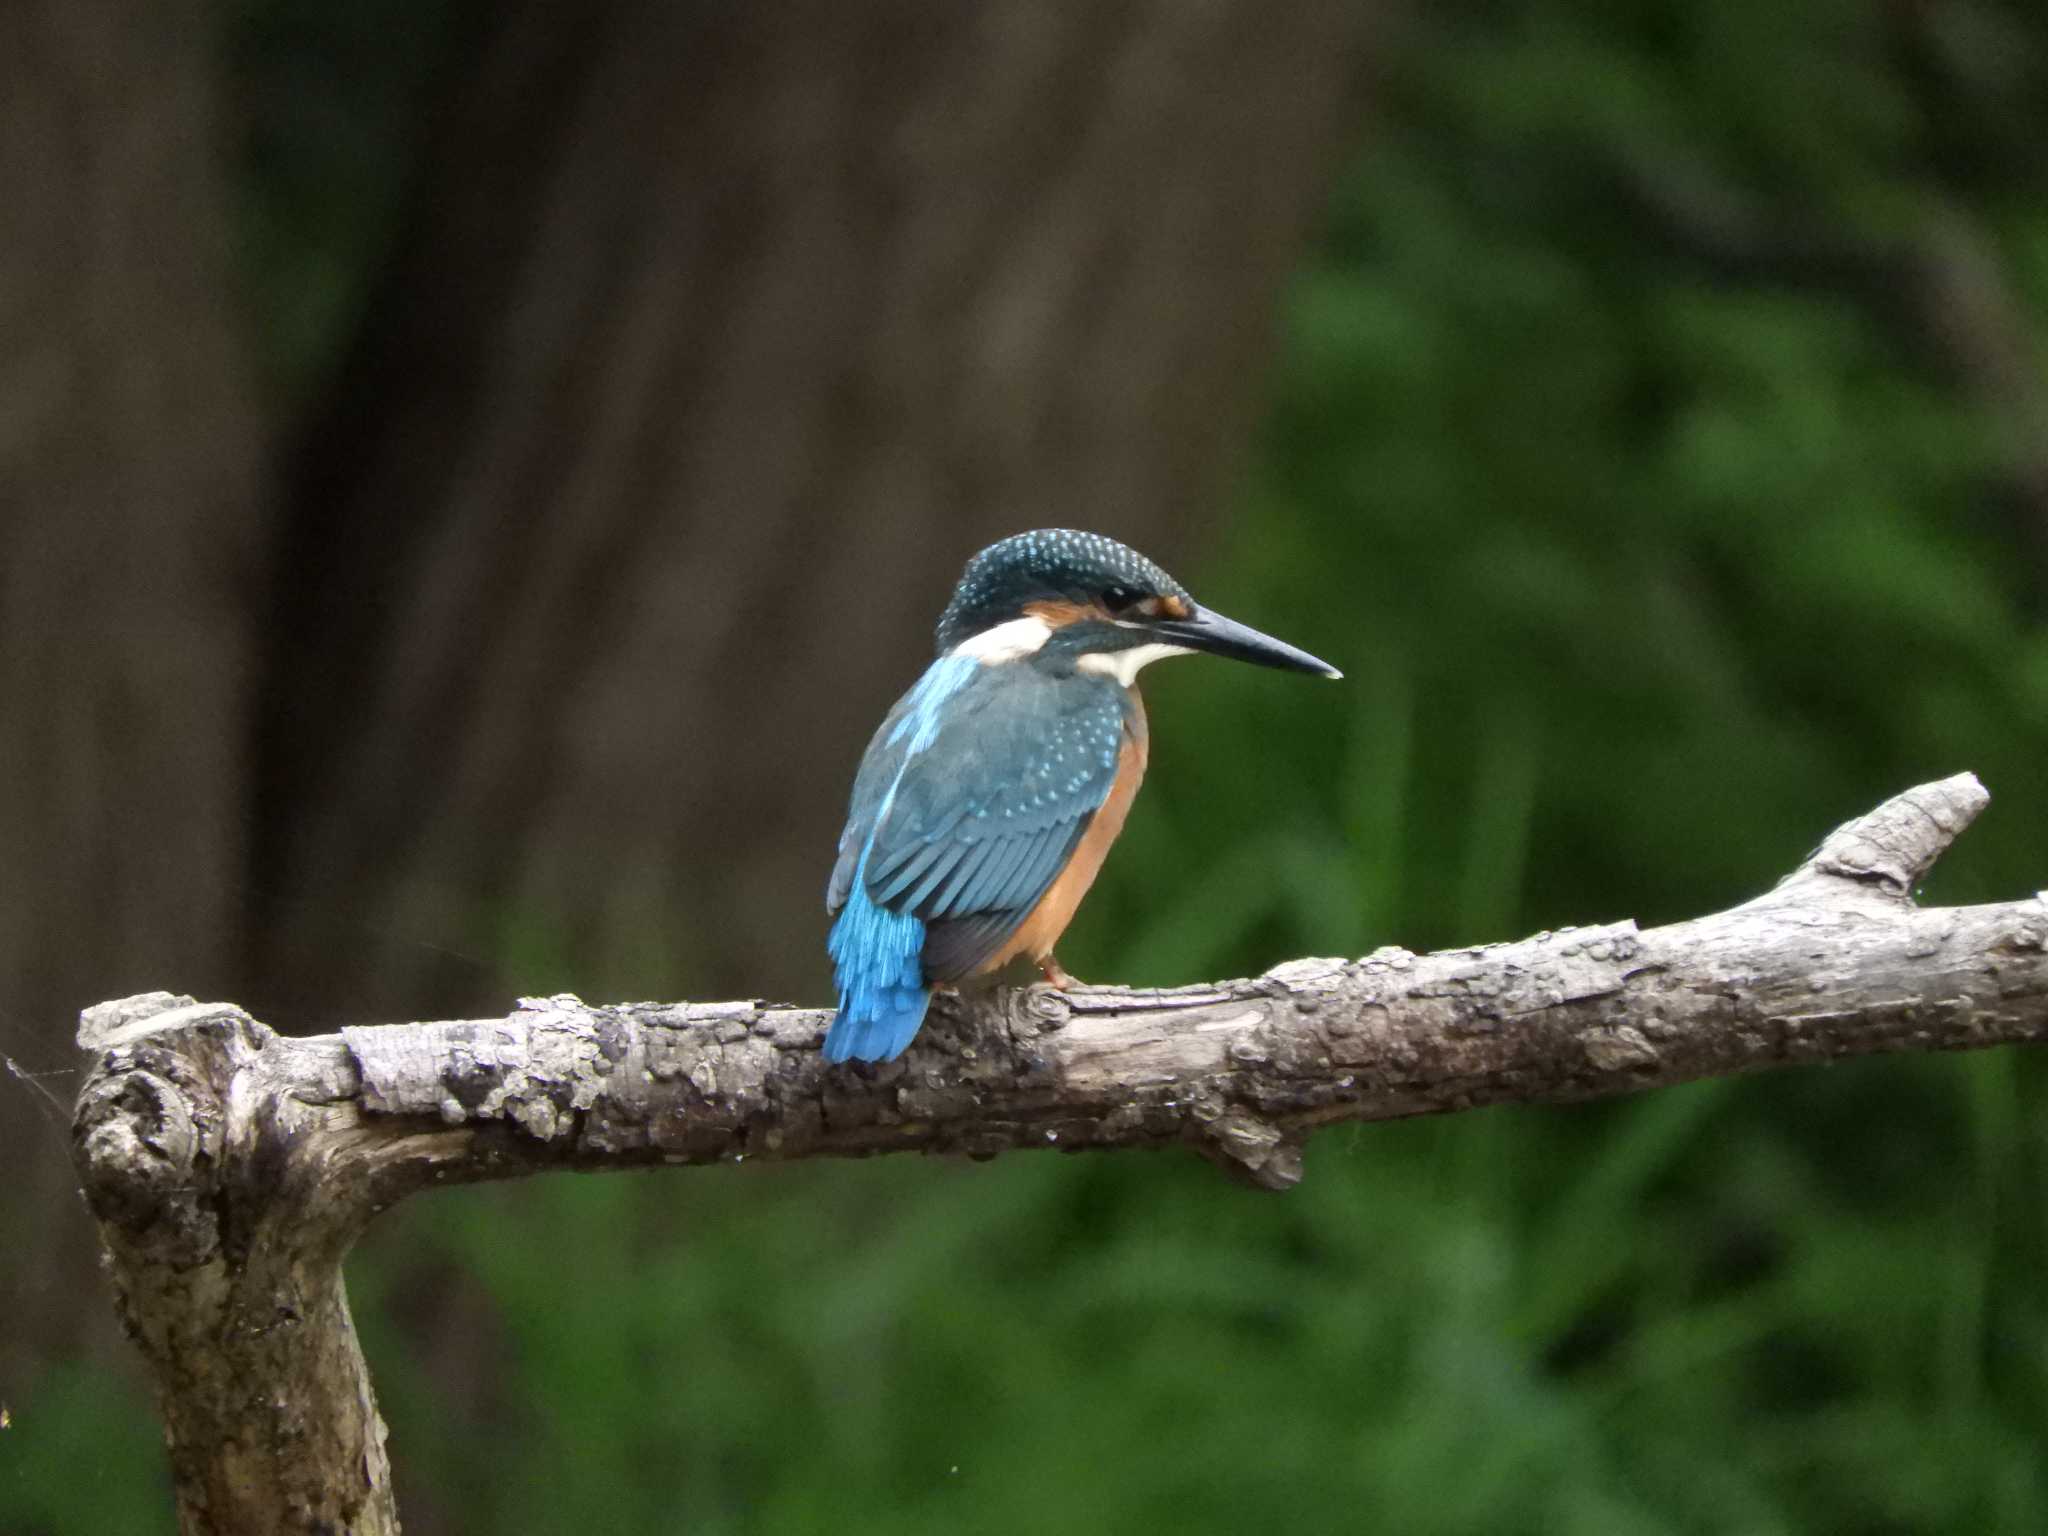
x=1056 y=975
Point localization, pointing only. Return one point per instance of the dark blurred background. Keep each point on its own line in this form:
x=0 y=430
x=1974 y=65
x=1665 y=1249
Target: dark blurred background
x=472 y=474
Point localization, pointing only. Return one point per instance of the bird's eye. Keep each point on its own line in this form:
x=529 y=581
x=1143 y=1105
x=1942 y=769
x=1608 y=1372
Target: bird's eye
x=1117 y=599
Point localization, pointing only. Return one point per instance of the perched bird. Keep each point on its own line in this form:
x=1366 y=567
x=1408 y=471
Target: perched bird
x=989 y=796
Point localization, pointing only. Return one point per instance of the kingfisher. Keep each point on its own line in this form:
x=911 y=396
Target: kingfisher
x=988 y=798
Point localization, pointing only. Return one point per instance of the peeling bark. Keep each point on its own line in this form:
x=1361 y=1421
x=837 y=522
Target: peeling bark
x=230 y=1167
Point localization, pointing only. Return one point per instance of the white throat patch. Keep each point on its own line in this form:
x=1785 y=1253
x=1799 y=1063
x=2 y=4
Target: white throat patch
x=1125 y=666
x=1006 y=642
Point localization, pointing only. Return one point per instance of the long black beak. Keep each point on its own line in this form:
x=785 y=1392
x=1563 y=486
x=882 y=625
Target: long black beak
x=1206 y=630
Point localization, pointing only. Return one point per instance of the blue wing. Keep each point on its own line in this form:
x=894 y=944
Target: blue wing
x=987 y=816
x=969 y=803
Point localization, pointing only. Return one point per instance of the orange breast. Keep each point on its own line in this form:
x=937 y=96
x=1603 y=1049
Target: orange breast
x=1042 y=928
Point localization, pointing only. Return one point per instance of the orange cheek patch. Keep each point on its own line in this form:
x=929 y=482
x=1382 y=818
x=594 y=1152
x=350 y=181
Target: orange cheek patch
x=1058 y=614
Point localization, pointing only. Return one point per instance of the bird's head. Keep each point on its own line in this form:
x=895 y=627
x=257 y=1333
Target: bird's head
x=1055 y=592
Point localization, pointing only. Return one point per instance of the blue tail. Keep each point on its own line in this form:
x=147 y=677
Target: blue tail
x=876 y=957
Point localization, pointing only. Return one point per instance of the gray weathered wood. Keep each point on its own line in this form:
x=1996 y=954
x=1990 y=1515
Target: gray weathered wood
x=231 y=1167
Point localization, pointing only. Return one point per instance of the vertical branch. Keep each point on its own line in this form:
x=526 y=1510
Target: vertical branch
x=225 y=1221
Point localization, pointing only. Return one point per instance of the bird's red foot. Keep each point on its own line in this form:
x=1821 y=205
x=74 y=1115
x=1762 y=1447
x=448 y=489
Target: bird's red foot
x=1056 y=975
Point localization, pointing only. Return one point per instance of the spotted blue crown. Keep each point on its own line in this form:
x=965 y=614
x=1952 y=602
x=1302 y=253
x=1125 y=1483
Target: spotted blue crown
x=1045 y=563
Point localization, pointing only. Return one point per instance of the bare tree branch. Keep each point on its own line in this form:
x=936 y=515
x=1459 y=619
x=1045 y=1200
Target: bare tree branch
x=231 y=1167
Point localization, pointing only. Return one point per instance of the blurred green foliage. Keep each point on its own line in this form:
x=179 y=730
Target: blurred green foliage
x=1652 y=551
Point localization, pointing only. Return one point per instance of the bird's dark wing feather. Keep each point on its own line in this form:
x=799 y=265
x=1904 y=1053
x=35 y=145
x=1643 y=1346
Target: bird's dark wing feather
x=974 y=827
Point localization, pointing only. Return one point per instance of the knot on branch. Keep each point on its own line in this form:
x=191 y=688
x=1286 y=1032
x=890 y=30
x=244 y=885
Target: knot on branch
x=1250 y=1150
x=152 y=1116
x=138 y=1148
